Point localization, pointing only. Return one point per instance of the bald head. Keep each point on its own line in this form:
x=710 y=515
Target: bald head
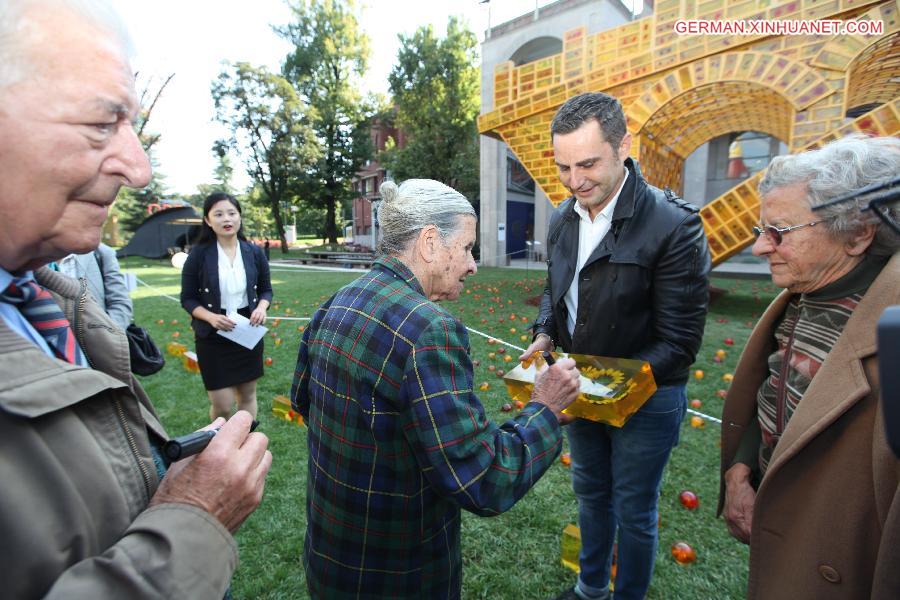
x=67 y=144
x=23 y=31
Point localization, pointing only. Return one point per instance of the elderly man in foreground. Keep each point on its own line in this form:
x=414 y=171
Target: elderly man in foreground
x=398 y=441
x=85 y=511
x=808 y=479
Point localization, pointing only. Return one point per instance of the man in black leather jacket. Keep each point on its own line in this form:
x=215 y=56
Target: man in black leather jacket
x=627 y=277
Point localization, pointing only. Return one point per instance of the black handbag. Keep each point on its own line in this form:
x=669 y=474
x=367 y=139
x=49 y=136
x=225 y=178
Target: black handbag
x=146 y=359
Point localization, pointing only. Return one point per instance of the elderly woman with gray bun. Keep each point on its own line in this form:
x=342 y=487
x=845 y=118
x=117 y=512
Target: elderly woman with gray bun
x=808 y=479
x=398 y=441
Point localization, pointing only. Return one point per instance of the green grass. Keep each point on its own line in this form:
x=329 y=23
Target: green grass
x=515 y=555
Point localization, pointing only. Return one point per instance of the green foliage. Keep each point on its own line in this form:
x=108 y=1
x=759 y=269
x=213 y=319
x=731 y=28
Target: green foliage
x=435 y=85
x=514 y=555
x=270 y=128
x=311 y=221
x=223 y=172
x=256 y=215
x=130 y=208
x=329 y=56
x=131 y=205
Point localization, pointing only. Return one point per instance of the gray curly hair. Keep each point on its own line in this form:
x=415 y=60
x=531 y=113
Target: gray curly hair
x=839 y=168
x=17 y=31
x=405 y=210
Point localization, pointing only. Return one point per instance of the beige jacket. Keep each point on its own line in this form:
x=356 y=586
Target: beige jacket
x=826 y=522
x=77 y=476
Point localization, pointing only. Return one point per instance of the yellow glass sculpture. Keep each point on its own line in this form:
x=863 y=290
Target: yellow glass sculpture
x=175 y=348
x=570 y=547
x=189 y=360
x=612 y=389
x=281 y=407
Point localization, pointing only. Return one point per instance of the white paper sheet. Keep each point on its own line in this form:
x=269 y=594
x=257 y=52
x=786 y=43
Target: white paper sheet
x=244 y=333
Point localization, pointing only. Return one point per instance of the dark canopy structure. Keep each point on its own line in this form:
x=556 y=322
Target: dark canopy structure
x=170 y=228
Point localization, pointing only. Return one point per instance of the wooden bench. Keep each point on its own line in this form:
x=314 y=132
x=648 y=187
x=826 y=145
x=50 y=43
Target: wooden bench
x=350 y=259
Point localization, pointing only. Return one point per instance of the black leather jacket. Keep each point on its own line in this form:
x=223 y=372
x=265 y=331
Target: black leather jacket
x=643 y=293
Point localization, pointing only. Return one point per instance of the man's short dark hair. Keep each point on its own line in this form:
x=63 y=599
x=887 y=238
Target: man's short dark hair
x=603 y=108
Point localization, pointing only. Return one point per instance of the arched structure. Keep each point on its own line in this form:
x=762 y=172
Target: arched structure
x=679 y=91
x=536 y=49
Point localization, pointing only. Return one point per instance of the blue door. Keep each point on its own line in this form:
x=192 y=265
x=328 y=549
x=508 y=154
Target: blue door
x=519 y=227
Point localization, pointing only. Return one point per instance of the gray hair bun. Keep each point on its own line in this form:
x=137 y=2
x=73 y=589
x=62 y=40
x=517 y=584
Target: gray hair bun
x=416 y=203
x=389 y=192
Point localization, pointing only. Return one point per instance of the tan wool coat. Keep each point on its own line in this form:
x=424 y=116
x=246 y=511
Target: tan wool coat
x=826 y=522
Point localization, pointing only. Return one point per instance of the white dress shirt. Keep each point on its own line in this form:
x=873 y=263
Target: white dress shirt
x=590 y=233
x=232 y=280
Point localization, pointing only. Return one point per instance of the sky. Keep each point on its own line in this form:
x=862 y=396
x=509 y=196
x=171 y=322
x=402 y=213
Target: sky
x=192 y=38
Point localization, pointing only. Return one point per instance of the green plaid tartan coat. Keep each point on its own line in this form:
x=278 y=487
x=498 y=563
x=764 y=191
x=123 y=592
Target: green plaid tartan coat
x=398 y=442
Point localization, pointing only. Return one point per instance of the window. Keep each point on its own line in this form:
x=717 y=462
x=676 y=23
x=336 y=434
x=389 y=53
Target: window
x=517 y=178
x=748 y=153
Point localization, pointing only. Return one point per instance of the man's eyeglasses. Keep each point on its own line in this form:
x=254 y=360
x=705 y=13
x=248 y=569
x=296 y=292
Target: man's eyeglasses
x=776 y=234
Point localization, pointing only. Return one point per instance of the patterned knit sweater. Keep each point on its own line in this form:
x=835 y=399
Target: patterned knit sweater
x=809 y=328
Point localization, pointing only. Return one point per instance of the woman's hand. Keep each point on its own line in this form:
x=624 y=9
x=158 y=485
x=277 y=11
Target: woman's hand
x=739 y=499
x=258 y=316
x=221 y=322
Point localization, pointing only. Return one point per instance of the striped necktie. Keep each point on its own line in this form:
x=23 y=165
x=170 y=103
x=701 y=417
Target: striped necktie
x=38 y=307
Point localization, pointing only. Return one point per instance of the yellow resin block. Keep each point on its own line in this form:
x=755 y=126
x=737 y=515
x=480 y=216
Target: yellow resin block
x=612 y=389
x=570 y=547
x=175 y=348
x=281 y=407
x=189 y=360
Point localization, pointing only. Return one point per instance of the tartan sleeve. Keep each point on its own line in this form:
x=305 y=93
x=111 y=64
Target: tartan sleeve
x=300 y=385
x=483 y=467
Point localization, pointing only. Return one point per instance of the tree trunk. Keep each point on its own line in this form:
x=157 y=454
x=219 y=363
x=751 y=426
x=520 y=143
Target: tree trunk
x=330 y=206
x=275 y=203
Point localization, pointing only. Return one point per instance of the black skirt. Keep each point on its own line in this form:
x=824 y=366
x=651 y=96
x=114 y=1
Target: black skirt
x=224 y=363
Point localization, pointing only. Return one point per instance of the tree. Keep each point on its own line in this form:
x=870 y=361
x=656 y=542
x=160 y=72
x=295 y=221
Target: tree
x=330 y=53
x=223 y=171
x=148 y=99
x=435 y=85
x=130 y=208
x=255 y=215
x=270 y=128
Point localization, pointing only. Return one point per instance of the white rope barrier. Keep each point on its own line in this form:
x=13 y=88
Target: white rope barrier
x=471 y=329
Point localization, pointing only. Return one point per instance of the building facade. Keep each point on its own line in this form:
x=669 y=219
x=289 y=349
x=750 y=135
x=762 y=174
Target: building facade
x=367 y=183
x=514 y=211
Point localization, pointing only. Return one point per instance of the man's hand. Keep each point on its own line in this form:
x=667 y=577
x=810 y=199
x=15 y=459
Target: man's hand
x=540 y=344
x=739 y=499
x=227 y=478
x=556 y=386
x=221 y=322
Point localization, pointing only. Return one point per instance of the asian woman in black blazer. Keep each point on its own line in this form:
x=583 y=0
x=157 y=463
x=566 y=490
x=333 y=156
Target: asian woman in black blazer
x=225 y=273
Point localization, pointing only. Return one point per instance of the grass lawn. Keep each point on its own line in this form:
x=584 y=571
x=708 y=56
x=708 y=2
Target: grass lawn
x=515 y=555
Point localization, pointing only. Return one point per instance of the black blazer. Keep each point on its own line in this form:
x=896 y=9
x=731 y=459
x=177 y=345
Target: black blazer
x=200 y=281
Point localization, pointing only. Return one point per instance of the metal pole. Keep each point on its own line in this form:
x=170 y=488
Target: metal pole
x=487 y=35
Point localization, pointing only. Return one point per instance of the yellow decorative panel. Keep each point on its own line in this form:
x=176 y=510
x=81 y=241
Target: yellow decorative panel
x=679 y=91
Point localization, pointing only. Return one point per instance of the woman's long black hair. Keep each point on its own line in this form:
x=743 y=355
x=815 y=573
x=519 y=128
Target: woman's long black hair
x=207 y=235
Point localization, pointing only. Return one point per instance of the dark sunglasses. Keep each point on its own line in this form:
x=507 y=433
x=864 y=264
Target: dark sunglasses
x=776 y=234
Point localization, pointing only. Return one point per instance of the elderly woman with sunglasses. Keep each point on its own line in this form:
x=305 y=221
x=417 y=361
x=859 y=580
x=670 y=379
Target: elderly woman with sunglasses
x=808 y=480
